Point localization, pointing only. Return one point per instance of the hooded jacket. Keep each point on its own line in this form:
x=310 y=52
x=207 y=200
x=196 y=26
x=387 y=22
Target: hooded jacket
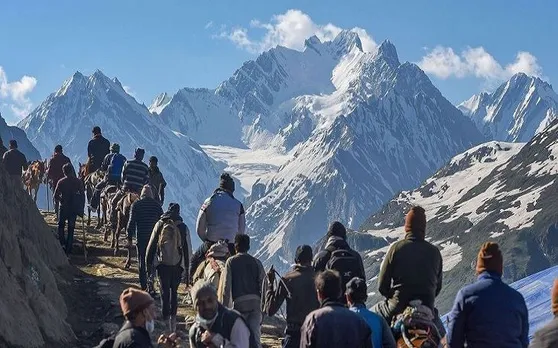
x=411 y=270
x=97 y=149
x=334 y=243
x=488 y=313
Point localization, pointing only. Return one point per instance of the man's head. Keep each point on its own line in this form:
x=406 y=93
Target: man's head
x=356 y=292
x=490 y=259
x=67 y=169
x=218 y=250
x=415 y=222
x=13 y=144
x=174 y=208
x=115 y=148
x=226 y=182
x=96 y=130
x=328 y=285
x=146 y=192
x=205 y=300
x=153 y=161
x=58 y=149
x=139 y=153
x=303 y=255
x=337 y=229
x=242 y=243
x=137 y=306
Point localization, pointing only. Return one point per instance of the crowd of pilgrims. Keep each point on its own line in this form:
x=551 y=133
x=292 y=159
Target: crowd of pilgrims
x=324 y=293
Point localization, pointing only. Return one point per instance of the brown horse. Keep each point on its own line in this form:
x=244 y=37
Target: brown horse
x=123 y=213
x=90 y=180
x=33 y=177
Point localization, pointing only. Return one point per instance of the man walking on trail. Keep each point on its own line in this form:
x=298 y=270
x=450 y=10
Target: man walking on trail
x=357 y=294
x=297 y=288
x=54 y=170
x=221 y=217
x=411 y=270
x=242 y=285
x=144 y=214
x=14 y=161
x=138 y=308
x=547 y=336
x=66 y=194
x=135 y=173
x=216 y=326
x=97 y=149
x=338 y=256
x=489 y=313
x=156 y=180
x=333 y=325
x=112 y=165
x=168 y=251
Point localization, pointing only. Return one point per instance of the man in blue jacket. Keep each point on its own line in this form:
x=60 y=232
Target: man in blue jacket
x=356 y=294
x=488 y=313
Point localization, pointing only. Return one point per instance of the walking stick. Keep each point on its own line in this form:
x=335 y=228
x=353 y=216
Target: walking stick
x=84 y=238
x=46 y=192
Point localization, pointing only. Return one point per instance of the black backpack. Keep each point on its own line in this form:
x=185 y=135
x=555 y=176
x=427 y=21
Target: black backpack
x=346 y=263
x=78 y=202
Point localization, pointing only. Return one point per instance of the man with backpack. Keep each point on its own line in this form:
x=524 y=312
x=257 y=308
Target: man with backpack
x=167 y=252
x=216 y=325
x=411 y=270
x=297 y=288
x=242 y=285
x=333 y=325
x=489 y=313
x=221 y=217
x=356 y=295
x=211 y=269
x=112 y=165
x=338 y=256
x=70 y=194
x=156 y=180
x=144 y=214
x=54 y=169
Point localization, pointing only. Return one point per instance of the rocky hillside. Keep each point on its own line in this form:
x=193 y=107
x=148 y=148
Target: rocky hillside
x=32 y=310
x=497 y=191
x=11 y=132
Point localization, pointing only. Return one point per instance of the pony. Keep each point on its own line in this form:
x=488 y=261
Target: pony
x=33 y=177
x=123 y=215
x=106 y=208
x=90 y=180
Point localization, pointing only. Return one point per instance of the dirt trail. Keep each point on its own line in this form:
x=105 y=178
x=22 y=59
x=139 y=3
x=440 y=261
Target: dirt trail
x=92 y=298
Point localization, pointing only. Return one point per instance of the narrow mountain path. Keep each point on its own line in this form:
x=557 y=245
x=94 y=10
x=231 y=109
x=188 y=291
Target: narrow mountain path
x=92 y=297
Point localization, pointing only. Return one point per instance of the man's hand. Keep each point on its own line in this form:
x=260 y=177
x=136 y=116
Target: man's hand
x=207 y=337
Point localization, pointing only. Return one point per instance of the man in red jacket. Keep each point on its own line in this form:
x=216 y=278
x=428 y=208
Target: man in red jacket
x=54 y=170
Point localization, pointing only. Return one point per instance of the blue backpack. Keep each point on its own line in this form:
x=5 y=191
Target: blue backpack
x=116 y=165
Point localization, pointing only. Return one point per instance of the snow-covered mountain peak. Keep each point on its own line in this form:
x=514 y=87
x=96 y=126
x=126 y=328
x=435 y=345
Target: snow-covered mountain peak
x=346 y=41
x=516 y=111
x=159 y=103
x=388 y=52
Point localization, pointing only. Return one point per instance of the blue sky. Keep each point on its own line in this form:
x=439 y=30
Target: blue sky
x=157 y=46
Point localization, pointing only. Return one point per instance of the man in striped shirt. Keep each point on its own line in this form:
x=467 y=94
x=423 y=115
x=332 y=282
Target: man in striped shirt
x=144 y=214
x=135 y=173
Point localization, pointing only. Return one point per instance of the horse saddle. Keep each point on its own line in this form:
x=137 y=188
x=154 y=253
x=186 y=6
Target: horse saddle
x=109 y=191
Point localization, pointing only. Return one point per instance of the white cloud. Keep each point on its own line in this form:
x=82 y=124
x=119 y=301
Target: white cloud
x=16 y=93
x=443 y=62
x=289 y=29
x=209 y=25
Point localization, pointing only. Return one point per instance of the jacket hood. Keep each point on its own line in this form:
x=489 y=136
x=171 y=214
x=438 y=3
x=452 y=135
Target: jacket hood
x=336 y=242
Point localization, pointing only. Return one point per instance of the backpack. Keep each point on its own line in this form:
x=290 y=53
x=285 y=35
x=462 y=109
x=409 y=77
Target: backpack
x=77 y=201
x=169 y=244
x=415 y=327
x=116 y=165
x=346 y=263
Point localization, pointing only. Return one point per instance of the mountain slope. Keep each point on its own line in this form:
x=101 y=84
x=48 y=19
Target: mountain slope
x=8 y=133
x=67 y=117
x=384 y=128
x=496 y=191
x=516 y=111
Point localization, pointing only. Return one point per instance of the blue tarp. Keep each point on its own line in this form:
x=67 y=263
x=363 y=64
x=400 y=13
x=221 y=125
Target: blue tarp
x=536 y=291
